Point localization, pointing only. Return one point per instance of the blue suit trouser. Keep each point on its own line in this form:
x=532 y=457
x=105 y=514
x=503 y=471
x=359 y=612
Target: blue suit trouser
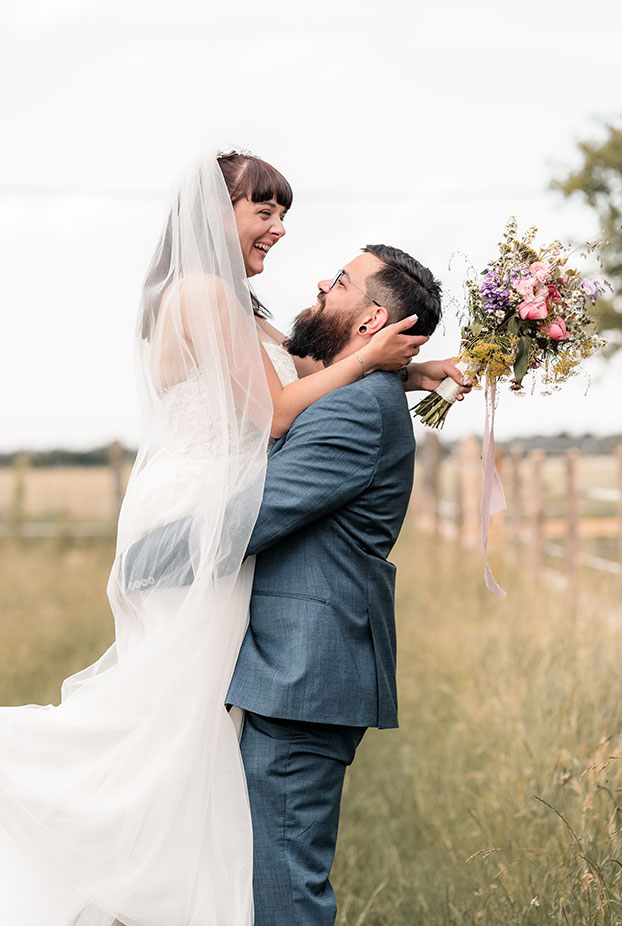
x=295 y=772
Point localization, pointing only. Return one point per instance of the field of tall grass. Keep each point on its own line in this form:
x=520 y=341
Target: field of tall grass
x=499 y=800
x=54 y=615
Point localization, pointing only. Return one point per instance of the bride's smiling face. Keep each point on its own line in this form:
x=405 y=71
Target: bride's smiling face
x=260 y=226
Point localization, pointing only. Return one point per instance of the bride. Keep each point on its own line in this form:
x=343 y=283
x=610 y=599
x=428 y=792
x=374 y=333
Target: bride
x=127 y=802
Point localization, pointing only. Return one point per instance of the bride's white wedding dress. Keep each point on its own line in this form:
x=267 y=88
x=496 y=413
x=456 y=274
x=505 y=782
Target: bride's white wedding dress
x=130 y=794
x=127 y=802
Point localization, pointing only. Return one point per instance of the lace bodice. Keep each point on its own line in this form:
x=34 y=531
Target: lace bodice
x=189 y=422
x=282 y=361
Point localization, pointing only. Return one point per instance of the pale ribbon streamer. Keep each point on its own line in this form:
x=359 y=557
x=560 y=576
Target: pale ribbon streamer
x=493 y=496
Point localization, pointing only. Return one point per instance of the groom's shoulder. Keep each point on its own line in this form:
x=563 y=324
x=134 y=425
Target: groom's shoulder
x=379 y=384
x=367 y=402
x=383 y=390
x=382 y=384
x=366 y=396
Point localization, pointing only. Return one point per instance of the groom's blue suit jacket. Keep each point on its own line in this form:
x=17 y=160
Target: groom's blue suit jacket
x=321 y=643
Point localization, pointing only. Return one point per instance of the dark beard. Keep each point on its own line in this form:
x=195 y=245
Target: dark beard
x=318 y=336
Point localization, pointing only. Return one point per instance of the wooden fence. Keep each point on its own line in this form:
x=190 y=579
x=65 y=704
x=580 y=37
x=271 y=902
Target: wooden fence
x=563 y=511
x=63 y=501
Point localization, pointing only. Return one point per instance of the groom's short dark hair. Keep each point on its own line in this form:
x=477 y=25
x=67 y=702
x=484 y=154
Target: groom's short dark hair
x=405 y=287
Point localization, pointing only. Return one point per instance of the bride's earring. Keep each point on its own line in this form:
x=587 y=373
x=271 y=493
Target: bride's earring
x=362 y=329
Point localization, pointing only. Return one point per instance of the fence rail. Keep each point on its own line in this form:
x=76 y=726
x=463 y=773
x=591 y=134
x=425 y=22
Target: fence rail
x=566 y=508
x=41 y=530
x=62 y=501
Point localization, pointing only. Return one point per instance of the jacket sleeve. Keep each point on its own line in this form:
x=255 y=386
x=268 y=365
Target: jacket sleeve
x=328 y=457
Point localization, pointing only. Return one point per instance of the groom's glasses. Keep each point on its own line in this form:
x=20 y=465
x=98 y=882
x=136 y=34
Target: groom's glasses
x=342 y=273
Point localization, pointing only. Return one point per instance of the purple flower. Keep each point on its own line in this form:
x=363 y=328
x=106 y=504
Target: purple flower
x=494 y=294
x=592 y=287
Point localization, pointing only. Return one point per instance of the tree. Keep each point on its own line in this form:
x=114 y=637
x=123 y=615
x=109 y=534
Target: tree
x=599 y=181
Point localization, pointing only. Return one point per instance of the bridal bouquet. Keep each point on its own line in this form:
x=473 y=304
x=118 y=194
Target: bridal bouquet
x=527 y=312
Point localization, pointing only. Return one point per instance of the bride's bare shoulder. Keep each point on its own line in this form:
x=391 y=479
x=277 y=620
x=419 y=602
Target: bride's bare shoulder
x=189 y=295
x=193 y=286
x=270 y=330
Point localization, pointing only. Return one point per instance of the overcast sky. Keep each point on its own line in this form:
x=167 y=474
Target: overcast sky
x=421 y=125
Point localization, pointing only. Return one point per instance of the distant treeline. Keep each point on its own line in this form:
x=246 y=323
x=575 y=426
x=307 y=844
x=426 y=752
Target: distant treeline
x=560 y=443
x=555 y=444
x=98 y=456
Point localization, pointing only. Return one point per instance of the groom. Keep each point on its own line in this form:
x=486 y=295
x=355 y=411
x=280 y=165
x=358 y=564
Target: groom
x=317 y=666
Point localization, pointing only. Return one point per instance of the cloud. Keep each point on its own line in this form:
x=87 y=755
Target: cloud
x=33 y=15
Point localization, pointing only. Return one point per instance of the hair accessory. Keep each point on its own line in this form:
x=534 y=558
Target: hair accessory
x=362 y=329
x=363 y=370
x=230 y=152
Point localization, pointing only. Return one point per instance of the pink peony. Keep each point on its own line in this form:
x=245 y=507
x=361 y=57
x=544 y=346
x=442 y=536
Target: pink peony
x=553 y=293
x=540 y=271
x=533 y=309
x=535 y=306
x=558 y=331
x=525 y=287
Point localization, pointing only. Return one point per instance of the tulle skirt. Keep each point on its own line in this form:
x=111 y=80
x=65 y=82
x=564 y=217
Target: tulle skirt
x=127 y=802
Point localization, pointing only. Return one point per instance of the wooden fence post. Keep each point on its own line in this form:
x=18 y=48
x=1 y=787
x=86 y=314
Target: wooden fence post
x=458 y=497
x=429 y=483
x=115 y=458
x=21 y=465
x=572 y=516
x=526 y=524
x=516 y=455
x=498 y=524
x=470 y=473
x=536 y=461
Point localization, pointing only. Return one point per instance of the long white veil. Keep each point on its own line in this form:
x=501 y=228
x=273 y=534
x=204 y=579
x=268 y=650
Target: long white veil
x=127 y=802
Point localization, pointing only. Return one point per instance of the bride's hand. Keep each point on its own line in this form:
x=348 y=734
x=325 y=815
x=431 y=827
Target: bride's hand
x=391 y=349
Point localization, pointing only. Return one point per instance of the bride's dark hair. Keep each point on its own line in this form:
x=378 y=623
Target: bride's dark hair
x=245 y=176
x=248 y=176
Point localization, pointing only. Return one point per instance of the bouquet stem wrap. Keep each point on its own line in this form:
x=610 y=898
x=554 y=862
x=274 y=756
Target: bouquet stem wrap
x=434 y=407
x=449 y=388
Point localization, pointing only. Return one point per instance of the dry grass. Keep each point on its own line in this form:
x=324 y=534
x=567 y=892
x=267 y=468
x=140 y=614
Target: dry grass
x=54 y=616
x=510 y=713
x=505 y=705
